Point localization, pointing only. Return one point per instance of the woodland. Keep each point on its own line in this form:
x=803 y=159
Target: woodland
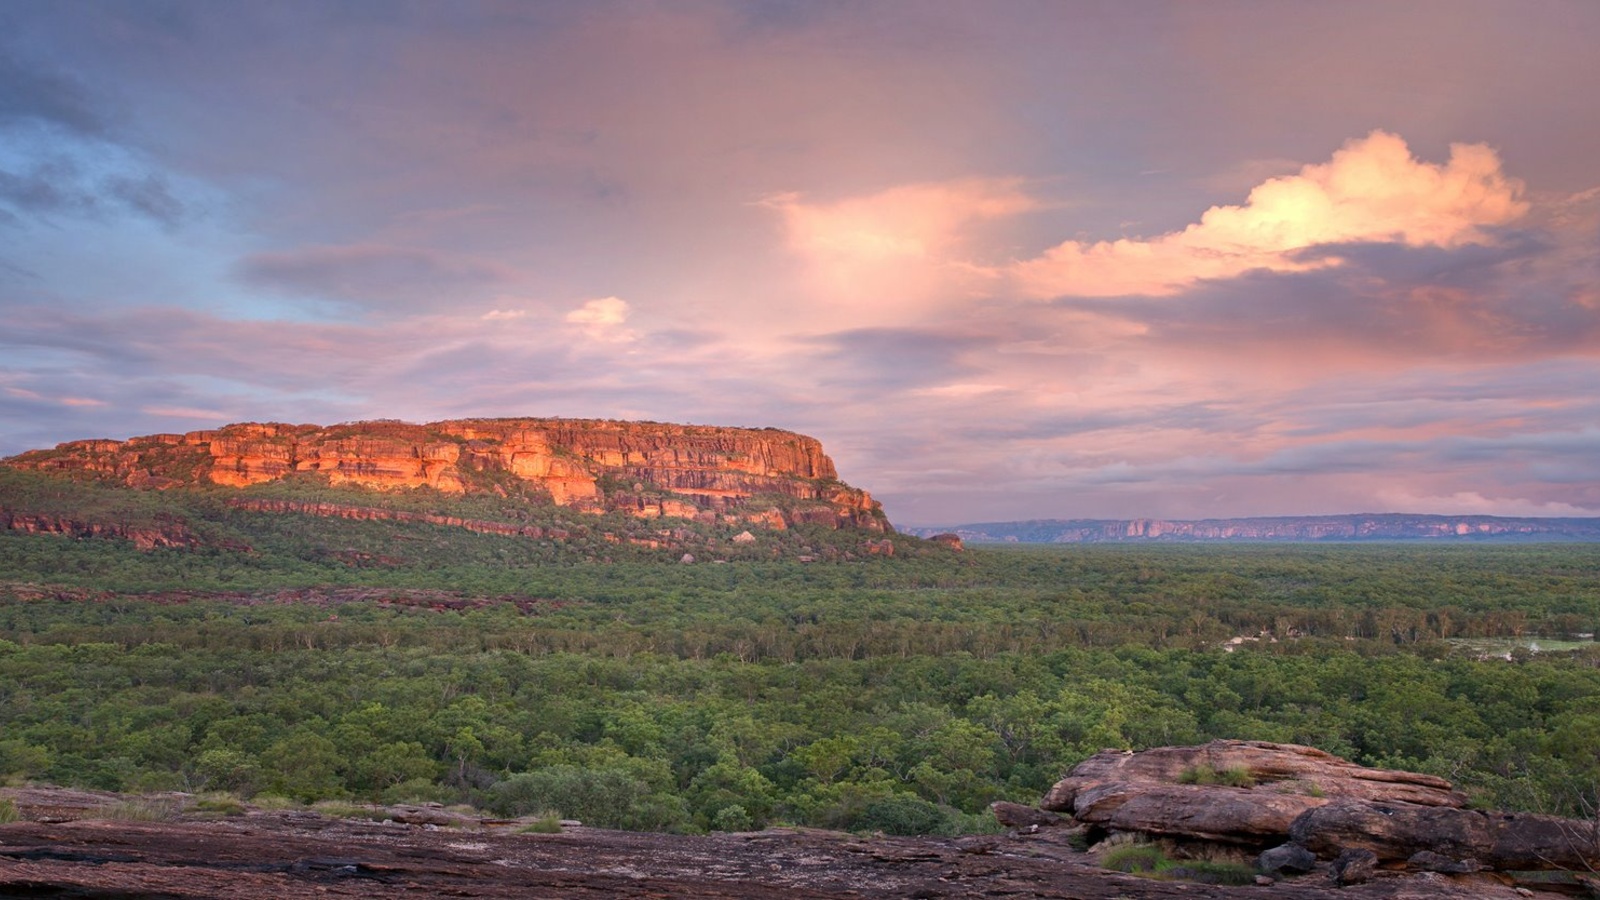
x=792 y=679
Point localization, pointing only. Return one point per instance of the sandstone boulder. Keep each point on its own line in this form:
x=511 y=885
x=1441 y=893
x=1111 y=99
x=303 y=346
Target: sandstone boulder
x=1259 y=794
x=1208 y=813
x=1015 y=815
x=1507 y=841
x=1280 y=768
x=1392 y=831
x=1354 y=867
x=1286 y=859
x=1429 y=861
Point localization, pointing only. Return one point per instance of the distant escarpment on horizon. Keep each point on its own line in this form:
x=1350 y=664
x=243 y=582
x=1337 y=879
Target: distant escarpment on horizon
x=764 y=477
x=1359 y=527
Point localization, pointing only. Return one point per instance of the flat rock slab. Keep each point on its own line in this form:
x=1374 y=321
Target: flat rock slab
x=278 y=856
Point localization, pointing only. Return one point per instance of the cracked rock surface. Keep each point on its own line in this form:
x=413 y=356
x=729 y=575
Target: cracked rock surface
x=273 y=855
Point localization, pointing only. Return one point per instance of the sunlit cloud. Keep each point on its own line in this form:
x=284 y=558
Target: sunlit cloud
x=887 y=256
x=603 y=320
x=600 y=313
x=1372 y=190
x=915 y=220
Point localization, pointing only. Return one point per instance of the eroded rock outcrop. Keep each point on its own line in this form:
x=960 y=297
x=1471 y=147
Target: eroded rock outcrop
x=1271 y=769
x=1298 y=800
x=1497 y=840
x=144 y=537
x=647 y=469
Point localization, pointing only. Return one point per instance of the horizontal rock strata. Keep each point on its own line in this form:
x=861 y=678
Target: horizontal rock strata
x=646 y=469
x=1260 y=794
x=1279 y=768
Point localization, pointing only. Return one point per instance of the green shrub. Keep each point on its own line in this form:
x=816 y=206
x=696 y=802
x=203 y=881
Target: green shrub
x=732 y=817
x=220 y=804
x=603 y=798
x=418 y=792
x=909 y=814
x=8 y=811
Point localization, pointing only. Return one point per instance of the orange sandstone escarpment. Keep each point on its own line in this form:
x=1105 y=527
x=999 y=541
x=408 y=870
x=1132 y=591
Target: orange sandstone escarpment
x=646 y=469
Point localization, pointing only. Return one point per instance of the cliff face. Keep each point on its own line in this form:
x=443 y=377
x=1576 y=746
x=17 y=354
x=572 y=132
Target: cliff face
x=646 y=469
x=161 y=534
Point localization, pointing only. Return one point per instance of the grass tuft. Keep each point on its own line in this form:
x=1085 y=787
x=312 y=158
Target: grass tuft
x=274 y=802
x=549 y=823
x=142 y=809
x=338 y=809
x=1150 y=861
x=1134 y=858
x=219 y=804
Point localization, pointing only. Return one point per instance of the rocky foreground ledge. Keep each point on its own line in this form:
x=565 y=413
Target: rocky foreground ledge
x=1294 y=810
x=86 y=845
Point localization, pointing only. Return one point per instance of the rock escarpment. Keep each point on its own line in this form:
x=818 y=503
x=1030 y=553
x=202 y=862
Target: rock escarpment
x=646 y=469
x=144 y=537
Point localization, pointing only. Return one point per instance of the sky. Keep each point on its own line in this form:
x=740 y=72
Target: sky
x=1006 y=260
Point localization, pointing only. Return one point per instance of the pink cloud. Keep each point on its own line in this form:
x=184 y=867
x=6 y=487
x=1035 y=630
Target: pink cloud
x=1372 y=190
x=893 y=255
x=603 y=320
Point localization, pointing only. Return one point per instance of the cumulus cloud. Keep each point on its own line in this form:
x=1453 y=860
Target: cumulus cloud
x=600 y=313
x=603 y=320
x=1372 y=191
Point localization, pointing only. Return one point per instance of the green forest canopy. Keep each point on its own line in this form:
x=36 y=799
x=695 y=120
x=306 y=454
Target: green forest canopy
x=901 y=694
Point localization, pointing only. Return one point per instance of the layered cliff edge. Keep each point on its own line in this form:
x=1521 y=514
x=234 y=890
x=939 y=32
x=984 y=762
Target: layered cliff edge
x=648 y=470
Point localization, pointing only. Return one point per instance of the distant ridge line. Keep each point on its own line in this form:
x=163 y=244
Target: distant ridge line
x=1258 y=529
